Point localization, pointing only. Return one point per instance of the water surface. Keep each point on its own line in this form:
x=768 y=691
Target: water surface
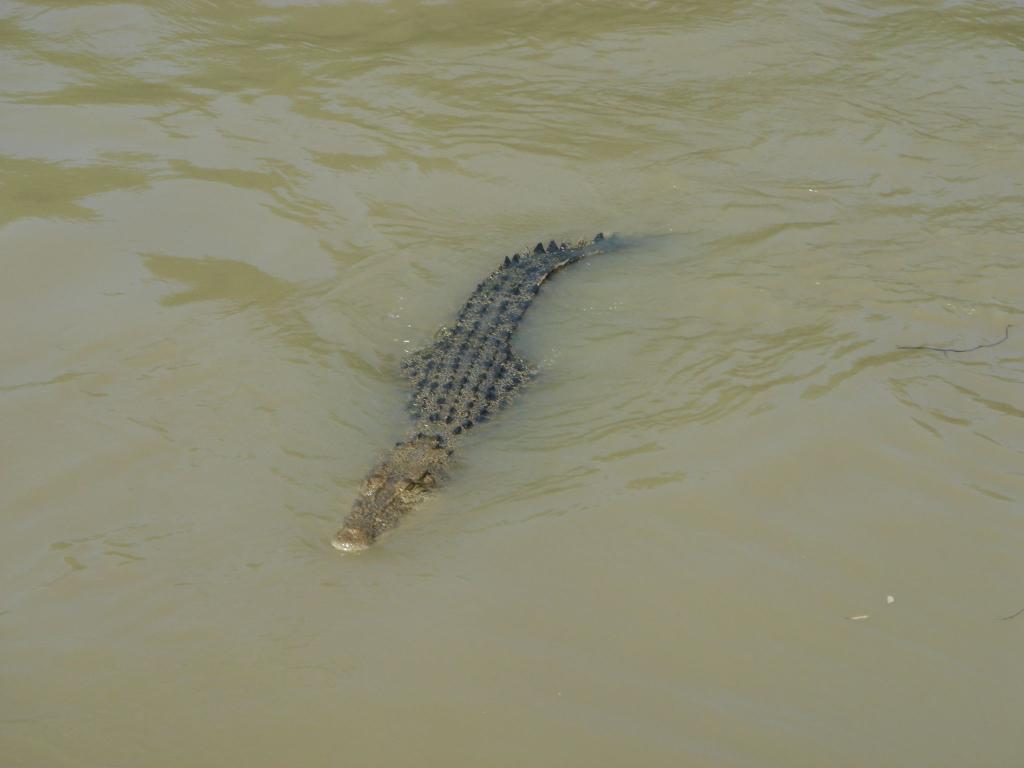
x=730 y=524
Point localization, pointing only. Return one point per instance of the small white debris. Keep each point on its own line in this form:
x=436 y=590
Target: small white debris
x=889 y=599
x=859 y=617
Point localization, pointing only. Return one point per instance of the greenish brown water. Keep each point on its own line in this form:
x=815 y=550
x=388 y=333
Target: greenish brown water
x=222 y=224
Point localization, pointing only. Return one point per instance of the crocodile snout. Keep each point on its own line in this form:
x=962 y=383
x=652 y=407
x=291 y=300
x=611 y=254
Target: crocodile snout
x=351 y=539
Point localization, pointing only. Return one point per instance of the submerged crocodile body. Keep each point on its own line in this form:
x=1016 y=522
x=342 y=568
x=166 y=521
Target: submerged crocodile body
x=458 y=382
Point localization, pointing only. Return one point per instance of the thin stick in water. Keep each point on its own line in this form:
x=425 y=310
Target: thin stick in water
x=944 y=350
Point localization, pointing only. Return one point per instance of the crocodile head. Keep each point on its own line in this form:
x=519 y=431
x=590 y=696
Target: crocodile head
x=394 y=486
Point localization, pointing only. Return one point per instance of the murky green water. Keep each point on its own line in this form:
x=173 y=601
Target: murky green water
x=730 y=523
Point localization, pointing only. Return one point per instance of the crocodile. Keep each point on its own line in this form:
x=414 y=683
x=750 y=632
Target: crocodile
x=460 y=381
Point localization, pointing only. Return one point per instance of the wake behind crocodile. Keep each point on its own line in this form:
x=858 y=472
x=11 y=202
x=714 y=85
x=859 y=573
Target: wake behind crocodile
x=458 y=382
